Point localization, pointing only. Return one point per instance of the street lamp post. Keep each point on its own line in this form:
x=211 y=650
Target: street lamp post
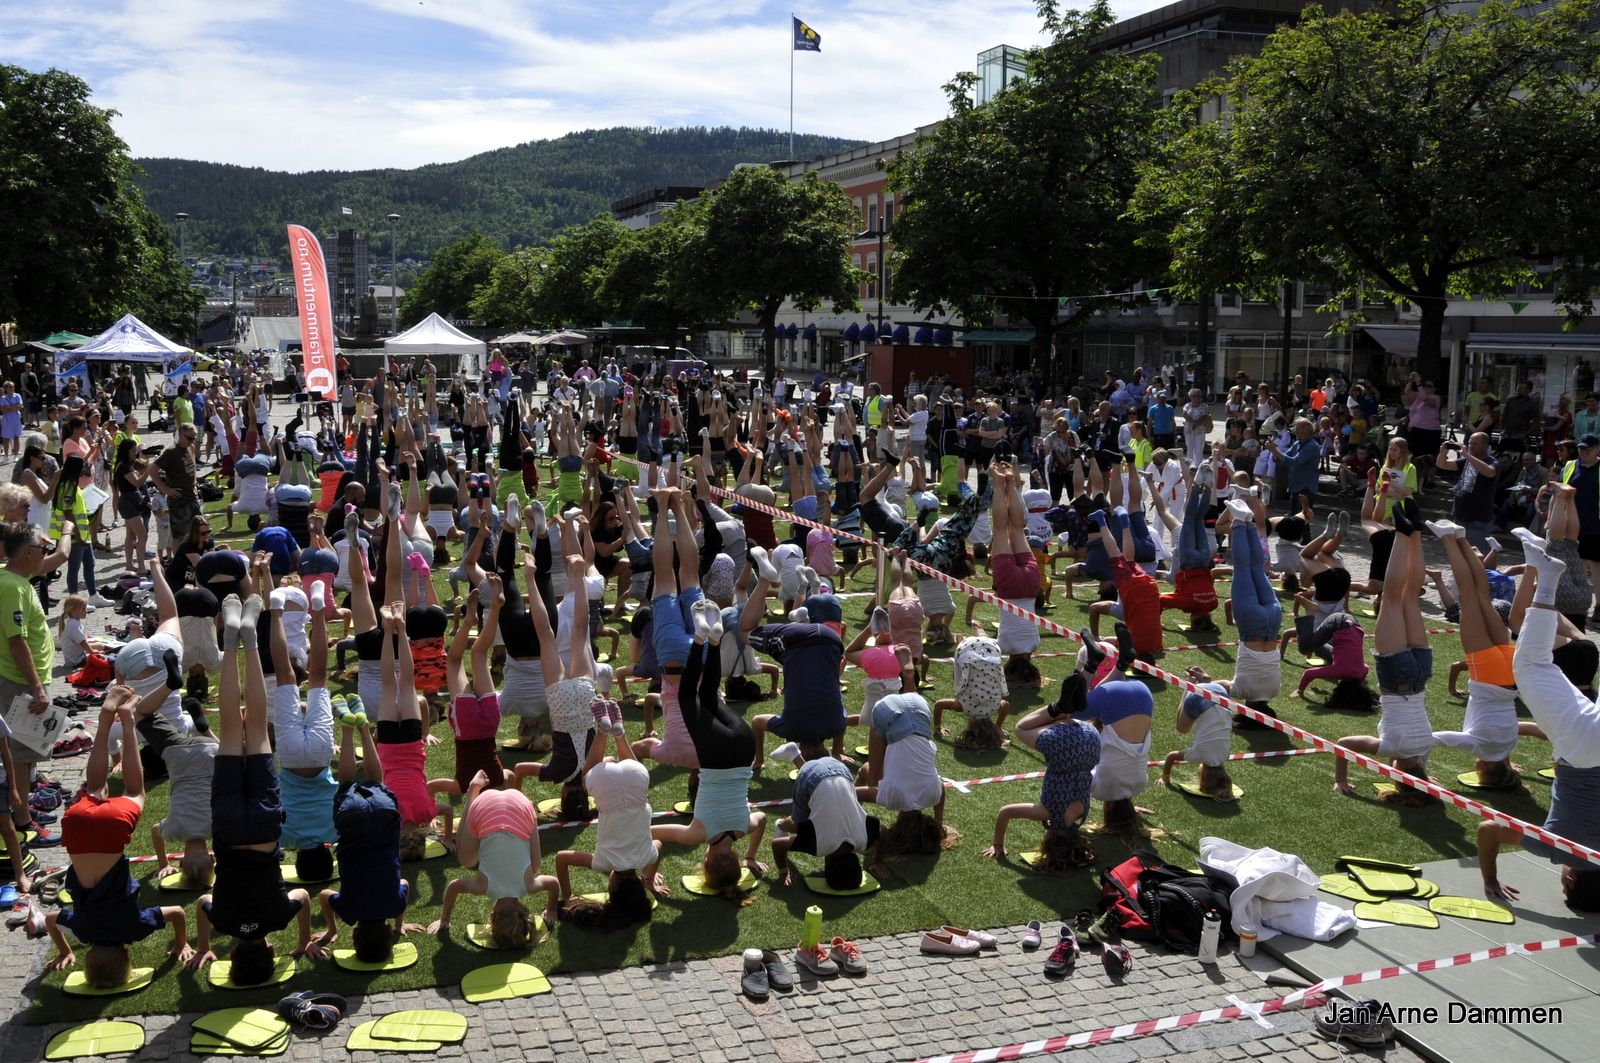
x=183 y=256
x=880 y=232
x=394 y=278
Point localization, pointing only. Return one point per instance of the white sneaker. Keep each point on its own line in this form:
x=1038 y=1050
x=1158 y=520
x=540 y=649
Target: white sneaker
x=100 y=601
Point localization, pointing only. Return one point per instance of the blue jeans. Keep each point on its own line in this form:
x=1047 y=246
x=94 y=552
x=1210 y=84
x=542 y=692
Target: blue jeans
x=673 y=628
x=82 y=554
x=1404 y=672
x=1256 y=609
x=1194 y=550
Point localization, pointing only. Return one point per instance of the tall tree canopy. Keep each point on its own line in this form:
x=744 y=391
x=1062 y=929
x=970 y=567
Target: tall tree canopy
x=645 y=278
x=448 y=287
x=1016 y=204
x=1417 y=149
x=80 y=247
x=566 y=292
x=766 y=240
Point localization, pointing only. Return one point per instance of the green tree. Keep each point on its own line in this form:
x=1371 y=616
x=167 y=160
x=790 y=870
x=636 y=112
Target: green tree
x=574 y=263
x=762 y=240
x=507 y=298
x=80 y=247
x=448 y=287
x=1014 y=205
x=645 y=278
x=1414 y=150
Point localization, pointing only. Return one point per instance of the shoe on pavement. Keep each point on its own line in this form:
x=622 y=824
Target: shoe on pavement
x=779 y=976
x=1033 y=936
x=948 y=944
x=100 y=601
x=816 y=960
x=1359 y=1022
x=1065 y=955
x=755 y=982
x=985 y=941
x=1116 y=959
x=847 y=956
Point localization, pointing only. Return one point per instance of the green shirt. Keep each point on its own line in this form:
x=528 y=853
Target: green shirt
x=1475 y=399
x=21 y=614
x=183 y=410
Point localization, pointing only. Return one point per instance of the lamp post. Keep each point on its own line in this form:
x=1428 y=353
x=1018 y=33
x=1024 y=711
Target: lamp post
x=183 y=224
x=880 y=232
x=394 y=278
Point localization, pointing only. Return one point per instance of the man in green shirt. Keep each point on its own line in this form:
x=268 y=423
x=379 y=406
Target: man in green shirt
x=182 y=409
x=30 y=648
x=1475 y=398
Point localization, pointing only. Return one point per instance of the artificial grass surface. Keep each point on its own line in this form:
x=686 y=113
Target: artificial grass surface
x=1290 y=805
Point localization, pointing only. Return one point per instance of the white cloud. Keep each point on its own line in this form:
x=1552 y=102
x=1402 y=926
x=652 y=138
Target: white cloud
x=357 y=84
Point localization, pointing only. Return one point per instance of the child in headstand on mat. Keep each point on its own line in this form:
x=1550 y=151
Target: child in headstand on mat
x=1212 y=726
x=249 y=899
x=105 y=913
x=371 y=891
x=1194 y=583
x=624 y=851
x=1254 y=605
x=1404 y=662
x=726 y=746
x=474 y=705
x=1071 y=750
x=901 y=774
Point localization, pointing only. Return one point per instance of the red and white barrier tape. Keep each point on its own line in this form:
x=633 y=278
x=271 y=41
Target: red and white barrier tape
x=1426 y=786
x=1310 y=995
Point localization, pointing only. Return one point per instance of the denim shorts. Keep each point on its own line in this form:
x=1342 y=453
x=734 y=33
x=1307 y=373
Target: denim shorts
x=673 y=632
x=569 y=463
x=1404 y=672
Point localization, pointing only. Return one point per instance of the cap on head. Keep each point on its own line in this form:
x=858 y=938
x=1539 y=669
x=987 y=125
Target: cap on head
x=1589 y=441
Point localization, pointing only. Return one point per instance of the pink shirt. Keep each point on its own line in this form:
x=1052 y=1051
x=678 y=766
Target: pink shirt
x=819 y=551
x=1425 y=413
x=494 y=810
x=80 y=447
x=403 y=764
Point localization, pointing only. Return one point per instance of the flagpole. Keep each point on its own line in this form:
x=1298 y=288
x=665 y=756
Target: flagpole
x=791 y=85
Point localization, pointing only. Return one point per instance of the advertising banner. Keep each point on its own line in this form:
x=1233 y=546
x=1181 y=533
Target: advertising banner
x=316 y=312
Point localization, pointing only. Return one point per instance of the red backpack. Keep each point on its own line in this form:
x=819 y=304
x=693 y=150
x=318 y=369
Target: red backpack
x=1151 y=900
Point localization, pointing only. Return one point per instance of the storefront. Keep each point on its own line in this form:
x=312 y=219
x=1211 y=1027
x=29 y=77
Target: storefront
x=1558 y=365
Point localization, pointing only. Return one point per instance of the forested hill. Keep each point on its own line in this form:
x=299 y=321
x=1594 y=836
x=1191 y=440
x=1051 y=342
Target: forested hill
x=517 y=195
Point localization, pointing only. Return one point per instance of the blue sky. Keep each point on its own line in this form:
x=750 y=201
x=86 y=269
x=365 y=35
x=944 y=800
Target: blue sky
x=353 y=84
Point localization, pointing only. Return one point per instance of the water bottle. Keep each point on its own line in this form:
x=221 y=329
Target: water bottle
x=811 y=930
x=1208 y=937
x=1247 y=939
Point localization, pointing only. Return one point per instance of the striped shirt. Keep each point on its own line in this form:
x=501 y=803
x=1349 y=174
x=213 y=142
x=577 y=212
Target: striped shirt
x=497 y=810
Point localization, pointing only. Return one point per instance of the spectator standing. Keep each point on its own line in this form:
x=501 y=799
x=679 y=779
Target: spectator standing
x=1519 y=418
x=174 y=477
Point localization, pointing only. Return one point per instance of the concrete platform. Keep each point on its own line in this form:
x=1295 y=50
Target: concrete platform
x=1567 y=979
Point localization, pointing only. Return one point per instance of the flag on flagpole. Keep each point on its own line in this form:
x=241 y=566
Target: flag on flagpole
x=806 y=39
x=346 y=210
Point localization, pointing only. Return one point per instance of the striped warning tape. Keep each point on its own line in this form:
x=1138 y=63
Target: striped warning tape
x=1370 y=763
x=1311 y=995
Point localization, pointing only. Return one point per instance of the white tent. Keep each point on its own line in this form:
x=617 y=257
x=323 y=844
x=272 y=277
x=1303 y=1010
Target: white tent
x=435 y=335
x=131 y=340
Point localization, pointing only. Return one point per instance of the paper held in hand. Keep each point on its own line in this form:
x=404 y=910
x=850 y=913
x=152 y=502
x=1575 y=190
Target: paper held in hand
x=37 y=732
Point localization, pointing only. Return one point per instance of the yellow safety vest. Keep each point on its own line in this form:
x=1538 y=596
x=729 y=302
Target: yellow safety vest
x=874 y=410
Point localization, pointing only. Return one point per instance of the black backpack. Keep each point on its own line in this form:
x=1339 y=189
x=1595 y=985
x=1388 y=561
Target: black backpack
x=1152 y=900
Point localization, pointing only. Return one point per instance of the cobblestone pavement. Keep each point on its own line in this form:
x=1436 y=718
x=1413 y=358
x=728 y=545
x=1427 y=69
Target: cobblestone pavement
x=908 y=1007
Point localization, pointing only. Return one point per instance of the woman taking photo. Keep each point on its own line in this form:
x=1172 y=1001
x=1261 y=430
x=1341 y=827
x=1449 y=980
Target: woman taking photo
x=130 y=474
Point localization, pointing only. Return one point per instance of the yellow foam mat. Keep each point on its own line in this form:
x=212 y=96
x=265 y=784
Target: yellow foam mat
x=1547 y=773
x=245 y=1027
x=404 y=955
x=221 y=974
x=1399 y=914
x=793 y=775
x=863 y=751
x=552 y=807
x=1345 y=863
x=818 y=884
x=1470 y=779
x=504 y=981
x=684 y=808
x=361 y=1040
x=1384 y=883
x=1192 y=788
x=77 y=984
x=434 y=849
x=478 y=934
x=172 y=882
x=204 y=1044
x=96 y=1039
x=697 y=883
x=1425 y=890
x=1472 y=908
x=293 y=879
x=1341 y=885
x=64 y=896
x=443 y=1026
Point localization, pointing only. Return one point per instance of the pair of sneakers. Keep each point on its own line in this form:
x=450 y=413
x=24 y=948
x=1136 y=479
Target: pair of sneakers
x=607 y=715
x=837 y=956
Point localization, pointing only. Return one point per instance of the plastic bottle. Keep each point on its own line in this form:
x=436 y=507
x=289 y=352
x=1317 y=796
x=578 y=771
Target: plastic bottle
x=811 y=930
x=1208 y=937
x=1247 y=939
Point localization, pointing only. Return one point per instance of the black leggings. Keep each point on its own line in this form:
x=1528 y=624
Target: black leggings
x=711 y=546
x=516 y=626
x=722 y=739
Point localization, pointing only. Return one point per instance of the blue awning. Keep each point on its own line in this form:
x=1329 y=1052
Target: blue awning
x=792 y=330
x=868 y=333
x=924 y=335
x=809 y=332
x=941 y=335
x=901 y=334
x=852 y=331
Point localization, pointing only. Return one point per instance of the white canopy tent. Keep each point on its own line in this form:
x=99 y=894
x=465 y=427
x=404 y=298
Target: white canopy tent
x=435 y=335
x=131 y=340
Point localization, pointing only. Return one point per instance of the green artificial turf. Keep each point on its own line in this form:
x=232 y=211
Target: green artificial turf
x=1289 y=804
